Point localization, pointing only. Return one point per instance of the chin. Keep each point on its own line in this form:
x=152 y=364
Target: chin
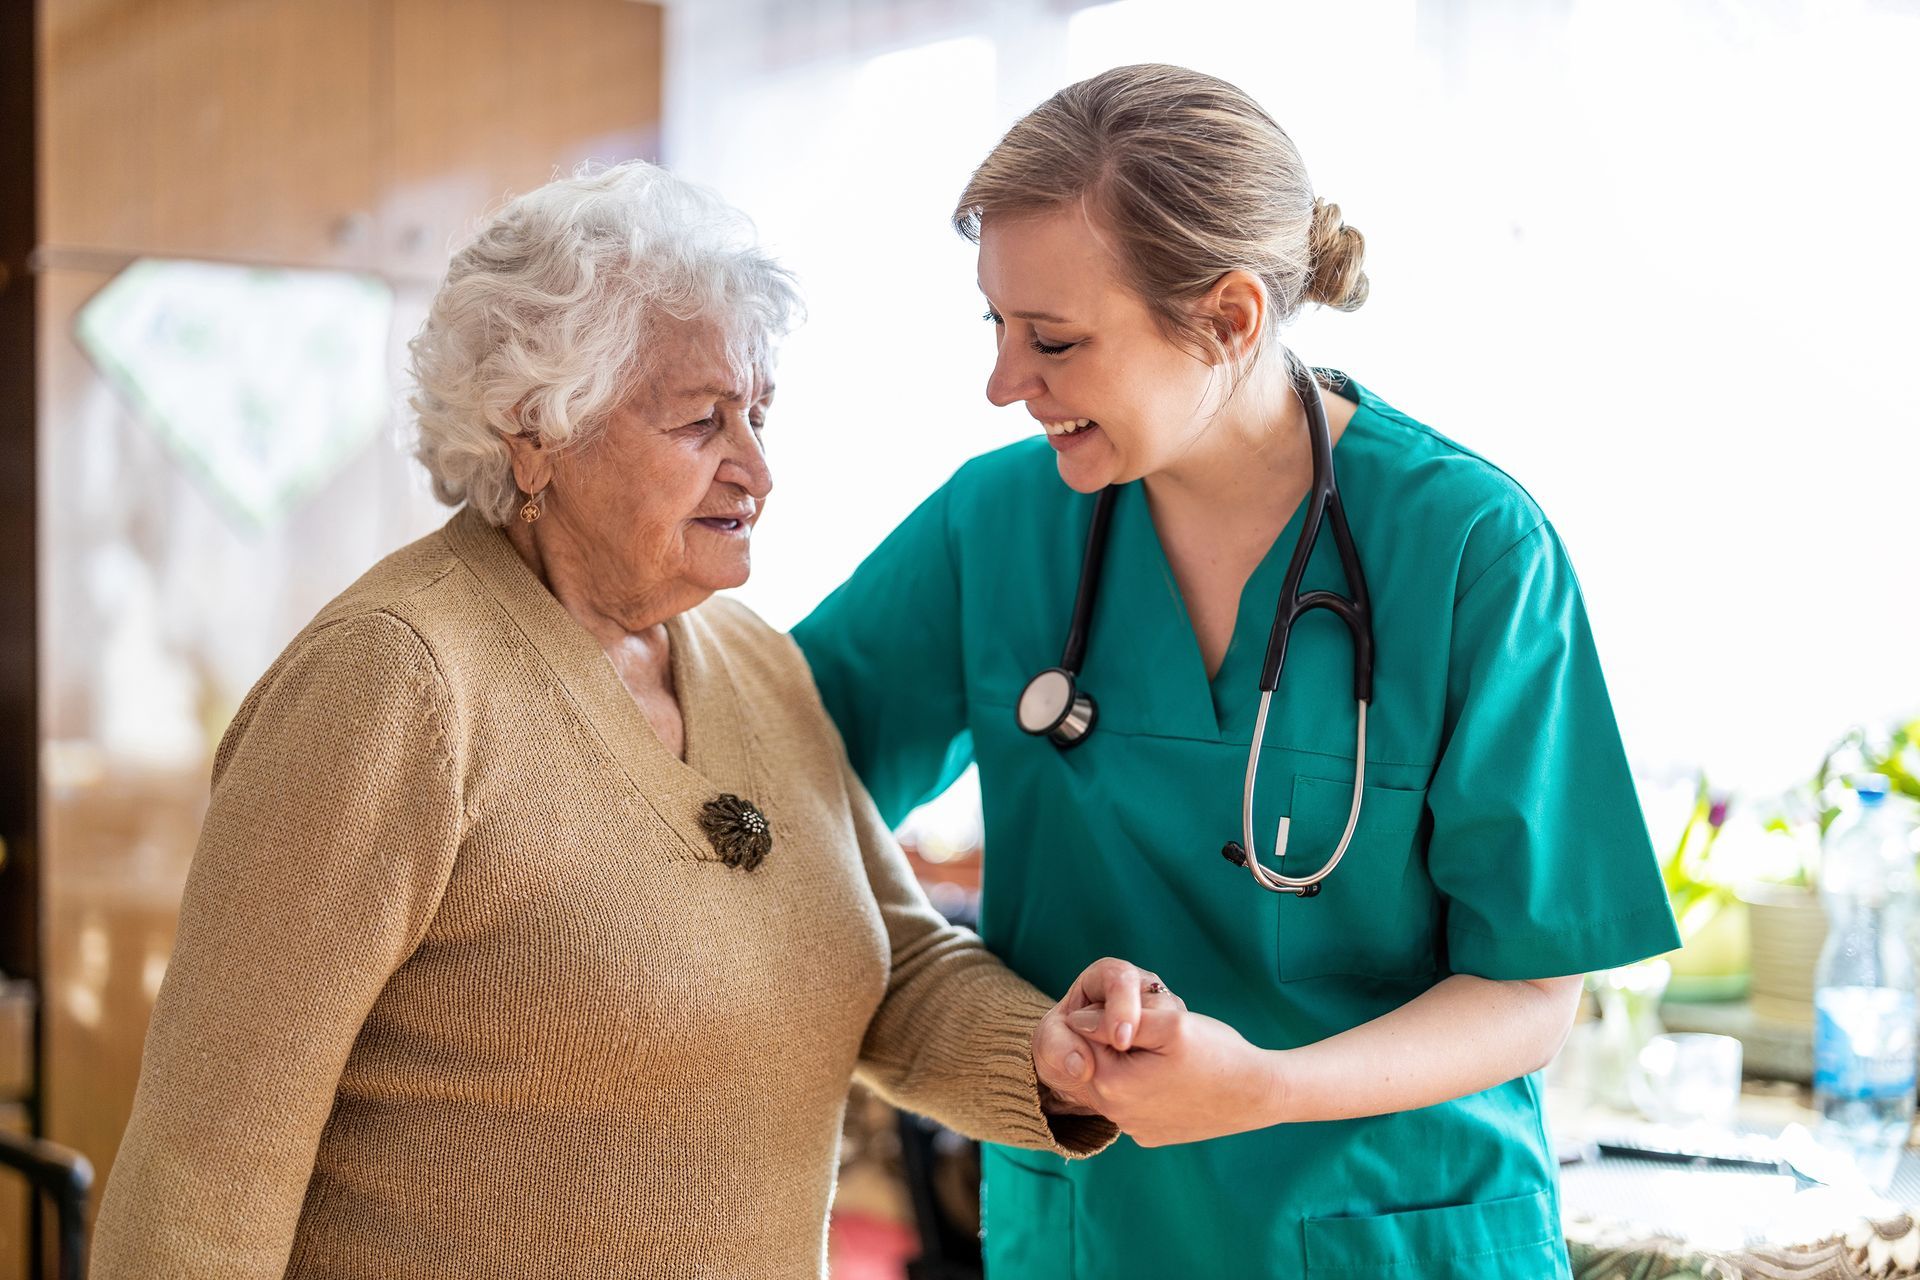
x=1088 y=475
x=728 y=577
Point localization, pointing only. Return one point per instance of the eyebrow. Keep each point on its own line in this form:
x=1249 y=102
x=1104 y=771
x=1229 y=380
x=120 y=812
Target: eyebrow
x=1047 y=316
x=717 y=391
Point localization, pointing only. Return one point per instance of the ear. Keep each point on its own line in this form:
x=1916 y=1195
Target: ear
x=532 y=462
x=1236 y=310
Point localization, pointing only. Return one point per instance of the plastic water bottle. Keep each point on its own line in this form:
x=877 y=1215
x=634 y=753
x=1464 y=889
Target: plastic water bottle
x=1864 y=1041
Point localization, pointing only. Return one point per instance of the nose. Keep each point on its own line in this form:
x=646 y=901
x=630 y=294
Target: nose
x=1015 y=377
x=746 y=465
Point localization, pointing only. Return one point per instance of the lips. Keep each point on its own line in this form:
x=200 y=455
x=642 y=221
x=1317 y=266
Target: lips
x=1067 y=426
x=739 y=521
x=1068 y=441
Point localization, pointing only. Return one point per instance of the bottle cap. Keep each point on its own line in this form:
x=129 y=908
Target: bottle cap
x=1871 y=788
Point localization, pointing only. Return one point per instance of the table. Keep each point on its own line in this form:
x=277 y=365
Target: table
x=1629 y=1219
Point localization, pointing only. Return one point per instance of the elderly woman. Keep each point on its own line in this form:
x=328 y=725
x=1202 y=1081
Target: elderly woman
x=538 y=925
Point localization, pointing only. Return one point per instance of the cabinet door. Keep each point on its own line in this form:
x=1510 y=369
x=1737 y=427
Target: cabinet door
x=157 y=613
x=240 y=129
x=493 y=97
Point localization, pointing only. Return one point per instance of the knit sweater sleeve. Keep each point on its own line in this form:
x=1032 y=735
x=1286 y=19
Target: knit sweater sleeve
x=953 y=1037
x=333 y=825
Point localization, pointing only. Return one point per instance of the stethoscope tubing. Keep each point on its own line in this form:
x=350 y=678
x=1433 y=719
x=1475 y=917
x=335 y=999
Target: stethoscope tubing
x=1304 y=886
x=1324 y=508
x=1091 y=562
x=1066 y=716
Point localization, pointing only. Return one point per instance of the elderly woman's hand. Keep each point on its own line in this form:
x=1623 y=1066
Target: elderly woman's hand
x=1110 y=998
x=1185 y=1077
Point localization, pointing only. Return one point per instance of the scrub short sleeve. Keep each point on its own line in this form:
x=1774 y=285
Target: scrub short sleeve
x=1538 y=845
x=885 y=649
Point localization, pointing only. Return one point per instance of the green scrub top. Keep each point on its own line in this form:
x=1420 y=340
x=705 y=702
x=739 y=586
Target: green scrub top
x=1499 y=836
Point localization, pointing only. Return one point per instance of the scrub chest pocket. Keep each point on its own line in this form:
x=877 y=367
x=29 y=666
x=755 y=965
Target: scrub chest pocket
x=1375 y=916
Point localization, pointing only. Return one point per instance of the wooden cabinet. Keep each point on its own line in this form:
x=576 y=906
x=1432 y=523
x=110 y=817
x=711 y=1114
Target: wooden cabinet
x=359 y=134
x=13 y=1202
x=243 y=129
x=492 y=97
x=147 y=587
x=366 y=134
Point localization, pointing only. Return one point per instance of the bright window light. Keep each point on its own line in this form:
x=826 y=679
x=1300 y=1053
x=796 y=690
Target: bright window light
x=1656 y=260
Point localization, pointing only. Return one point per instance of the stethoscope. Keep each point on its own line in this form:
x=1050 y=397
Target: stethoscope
x=1053 y=705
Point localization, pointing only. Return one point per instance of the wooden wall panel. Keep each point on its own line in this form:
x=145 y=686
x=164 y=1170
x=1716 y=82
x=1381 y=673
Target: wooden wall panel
x=492 y=97
x=19 y=635
x=241 y=129
x=149 y=586
x=119 y=832
x=13 y=1204
x=249 y=130
x=20 y=923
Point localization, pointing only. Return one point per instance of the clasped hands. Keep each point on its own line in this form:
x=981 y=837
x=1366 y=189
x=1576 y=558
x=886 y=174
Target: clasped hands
x=1121 y=1045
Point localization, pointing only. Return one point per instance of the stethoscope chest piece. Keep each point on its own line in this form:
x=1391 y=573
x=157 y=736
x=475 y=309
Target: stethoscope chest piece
x=1052 y=706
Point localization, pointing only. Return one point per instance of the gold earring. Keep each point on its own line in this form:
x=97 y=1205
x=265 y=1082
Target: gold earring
x=531 y=511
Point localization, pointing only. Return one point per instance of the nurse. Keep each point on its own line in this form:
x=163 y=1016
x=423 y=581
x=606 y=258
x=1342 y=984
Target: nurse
x=1354 y=1092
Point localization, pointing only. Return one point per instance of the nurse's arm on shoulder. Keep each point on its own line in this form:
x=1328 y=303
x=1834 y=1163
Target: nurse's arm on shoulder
x=1188 y=1077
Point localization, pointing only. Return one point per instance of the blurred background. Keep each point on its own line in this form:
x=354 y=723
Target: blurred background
x=1656 y=259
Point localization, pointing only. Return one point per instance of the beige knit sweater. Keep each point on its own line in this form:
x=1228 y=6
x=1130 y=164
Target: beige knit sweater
x=462 y=989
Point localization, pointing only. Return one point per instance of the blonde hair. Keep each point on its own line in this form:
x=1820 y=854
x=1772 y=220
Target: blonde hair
x=1191 y=177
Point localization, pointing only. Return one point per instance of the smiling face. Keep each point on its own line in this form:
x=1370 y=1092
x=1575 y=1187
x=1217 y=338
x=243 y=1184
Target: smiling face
x=659 y=506
x=1077 y=346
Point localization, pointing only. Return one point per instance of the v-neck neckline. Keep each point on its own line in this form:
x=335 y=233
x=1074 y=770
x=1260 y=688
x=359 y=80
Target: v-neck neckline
x=713 y=727
x=1225 y=702
x=1213 y=701
x=719 y=755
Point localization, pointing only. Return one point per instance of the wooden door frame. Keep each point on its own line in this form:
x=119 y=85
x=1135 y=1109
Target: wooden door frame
x=19 y=539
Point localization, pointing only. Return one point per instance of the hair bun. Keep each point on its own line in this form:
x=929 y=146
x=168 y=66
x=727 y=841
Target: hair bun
x=1337 y=251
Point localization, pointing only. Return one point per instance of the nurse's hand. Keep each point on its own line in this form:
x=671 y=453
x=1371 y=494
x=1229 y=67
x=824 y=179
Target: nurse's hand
x=1185 y=1078
x=1114 y=995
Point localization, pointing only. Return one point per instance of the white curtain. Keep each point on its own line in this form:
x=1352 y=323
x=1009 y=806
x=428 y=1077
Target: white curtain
x=1656 y=258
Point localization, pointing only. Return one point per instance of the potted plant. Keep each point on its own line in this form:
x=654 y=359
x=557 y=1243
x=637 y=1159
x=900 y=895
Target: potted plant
x=1711 y=963
x=1892 y=753
x=1788 y=923
x=1713 y=960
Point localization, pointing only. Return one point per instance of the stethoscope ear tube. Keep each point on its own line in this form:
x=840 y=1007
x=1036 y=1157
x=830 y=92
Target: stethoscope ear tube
x=1357 y=626
x=1324 y=510
x=1357 y=613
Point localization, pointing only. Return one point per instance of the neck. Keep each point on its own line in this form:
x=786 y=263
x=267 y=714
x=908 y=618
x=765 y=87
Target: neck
x=1252 y=459
x=613 y=613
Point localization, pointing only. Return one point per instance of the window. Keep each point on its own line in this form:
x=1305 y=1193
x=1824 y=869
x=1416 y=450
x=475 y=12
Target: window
x=1654 y=259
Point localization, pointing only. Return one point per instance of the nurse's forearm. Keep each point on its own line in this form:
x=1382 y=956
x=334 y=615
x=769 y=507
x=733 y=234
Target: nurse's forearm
x=1465 y=1035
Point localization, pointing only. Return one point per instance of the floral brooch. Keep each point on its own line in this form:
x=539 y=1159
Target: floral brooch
x=737 y=831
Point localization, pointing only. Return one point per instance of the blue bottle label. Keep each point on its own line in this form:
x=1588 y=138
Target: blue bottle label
x=1864 y=1043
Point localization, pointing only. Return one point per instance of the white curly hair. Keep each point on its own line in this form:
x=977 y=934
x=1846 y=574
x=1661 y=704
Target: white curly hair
x=542 y=323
